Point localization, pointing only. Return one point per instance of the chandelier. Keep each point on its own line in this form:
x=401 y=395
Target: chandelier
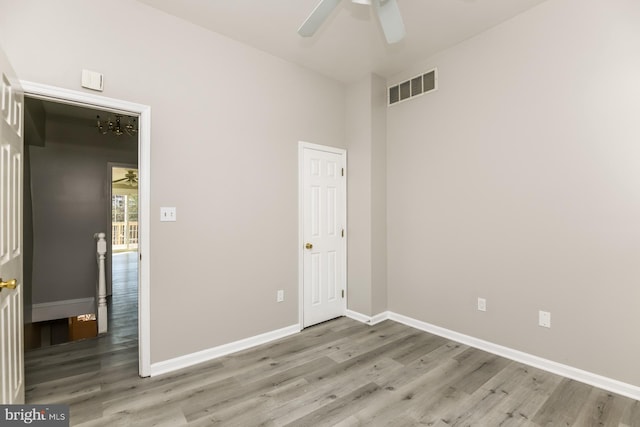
x=121 y=125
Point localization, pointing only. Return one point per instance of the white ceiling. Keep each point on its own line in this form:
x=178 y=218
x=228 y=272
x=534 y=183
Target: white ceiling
x=350 y=44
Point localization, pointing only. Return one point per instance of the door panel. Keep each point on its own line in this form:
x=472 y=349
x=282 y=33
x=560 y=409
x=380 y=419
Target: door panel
x=11 y=309
x=323 y=218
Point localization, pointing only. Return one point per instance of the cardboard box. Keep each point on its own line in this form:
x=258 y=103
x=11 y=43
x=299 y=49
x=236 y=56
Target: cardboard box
x=82 y=327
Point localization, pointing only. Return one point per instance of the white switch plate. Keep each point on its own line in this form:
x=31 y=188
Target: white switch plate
x=280 y=296
x=544 y=319
x=167 y=214
x=482 y=304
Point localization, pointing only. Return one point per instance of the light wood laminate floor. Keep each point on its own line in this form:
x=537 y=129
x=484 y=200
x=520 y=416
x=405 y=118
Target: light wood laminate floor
x=338 y=373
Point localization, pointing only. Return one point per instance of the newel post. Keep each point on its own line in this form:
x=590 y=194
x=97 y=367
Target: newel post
x=102 y=282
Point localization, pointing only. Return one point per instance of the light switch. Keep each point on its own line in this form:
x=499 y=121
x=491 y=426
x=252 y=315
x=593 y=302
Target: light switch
x=168 y=214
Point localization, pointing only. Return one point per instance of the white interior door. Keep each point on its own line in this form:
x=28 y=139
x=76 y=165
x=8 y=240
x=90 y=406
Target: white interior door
x=11 y=327
x=323 y=233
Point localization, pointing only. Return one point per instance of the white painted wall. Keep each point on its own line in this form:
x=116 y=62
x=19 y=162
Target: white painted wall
x=226 y=121
x=517 y=181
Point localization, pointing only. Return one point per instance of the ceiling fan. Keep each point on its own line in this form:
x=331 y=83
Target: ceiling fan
x=387 y=11
x=130 y=179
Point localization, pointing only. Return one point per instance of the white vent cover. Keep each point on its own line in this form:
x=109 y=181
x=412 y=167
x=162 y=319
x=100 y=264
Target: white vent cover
x=418 y=85
x=92 y=80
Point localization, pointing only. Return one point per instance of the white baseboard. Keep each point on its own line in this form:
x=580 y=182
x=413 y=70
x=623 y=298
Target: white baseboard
x=61 y=309
x=586 y=377
x=369 y=320
x=174 y=364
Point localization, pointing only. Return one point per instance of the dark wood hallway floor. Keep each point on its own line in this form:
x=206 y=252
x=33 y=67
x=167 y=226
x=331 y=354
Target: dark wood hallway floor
x=338 y=373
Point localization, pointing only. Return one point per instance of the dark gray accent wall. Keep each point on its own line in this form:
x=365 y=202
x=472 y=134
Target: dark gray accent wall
x=70 y=191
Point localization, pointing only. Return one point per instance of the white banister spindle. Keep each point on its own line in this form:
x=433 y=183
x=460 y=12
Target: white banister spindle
x=101 y=251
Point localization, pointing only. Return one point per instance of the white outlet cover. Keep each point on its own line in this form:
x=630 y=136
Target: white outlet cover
x=280 y=296
x=544 y=319
x=482 y=304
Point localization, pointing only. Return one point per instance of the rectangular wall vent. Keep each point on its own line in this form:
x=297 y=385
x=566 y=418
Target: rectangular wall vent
x=413 y=87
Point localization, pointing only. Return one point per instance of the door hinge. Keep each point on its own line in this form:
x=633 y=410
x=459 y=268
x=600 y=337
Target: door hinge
x=343 y=293
x=343 y=232
x=342 y=171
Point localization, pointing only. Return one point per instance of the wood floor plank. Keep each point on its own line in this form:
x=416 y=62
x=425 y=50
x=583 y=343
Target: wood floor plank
x=523 y=403
x=424 y=344
x=432 y=360
x=318 y=394
x=602 y=408
x=428 y=394
x=211 y=398
x=631 y=417
x=564 y=405
x=357 y=363
x=381 y=333
x=506 y=384
x=340 y=408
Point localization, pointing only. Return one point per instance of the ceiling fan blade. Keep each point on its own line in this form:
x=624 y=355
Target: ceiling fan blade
x=120 y=180
x=317 y=17
x=390 y=20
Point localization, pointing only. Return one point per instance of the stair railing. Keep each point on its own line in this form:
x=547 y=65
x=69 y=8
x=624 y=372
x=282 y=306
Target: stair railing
x=101 y=288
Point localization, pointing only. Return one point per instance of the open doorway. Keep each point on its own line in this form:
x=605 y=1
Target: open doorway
x=142 y=112
x=66 y=154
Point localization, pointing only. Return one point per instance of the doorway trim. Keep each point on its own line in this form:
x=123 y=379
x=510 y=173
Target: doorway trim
x=302 y=145
x=67 y=96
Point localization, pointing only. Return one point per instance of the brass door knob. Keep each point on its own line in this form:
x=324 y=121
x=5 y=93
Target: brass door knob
x=308 y=246
x=9 y=284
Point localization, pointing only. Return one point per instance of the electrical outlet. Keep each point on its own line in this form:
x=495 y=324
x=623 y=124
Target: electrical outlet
x=544 y=319
x=280 y=296
x=482 y=304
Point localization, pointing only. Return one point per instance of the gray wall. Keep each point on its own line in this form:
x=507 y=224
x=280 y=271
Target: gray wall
x=367 y=192
x=70 y=202
x=226 y=121
x=518 y=181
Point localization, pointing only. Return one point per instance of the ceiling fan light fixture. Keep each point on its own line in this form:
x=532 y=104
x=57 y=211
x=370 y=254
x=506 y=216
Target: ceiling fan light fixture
x=130 y=179
x=390 y=19
x=387 y=12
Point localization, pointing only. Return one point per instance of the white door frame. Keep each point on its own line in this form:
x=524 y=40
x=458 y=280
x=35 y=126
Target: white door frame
x=302 y=145
x=67 y=96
